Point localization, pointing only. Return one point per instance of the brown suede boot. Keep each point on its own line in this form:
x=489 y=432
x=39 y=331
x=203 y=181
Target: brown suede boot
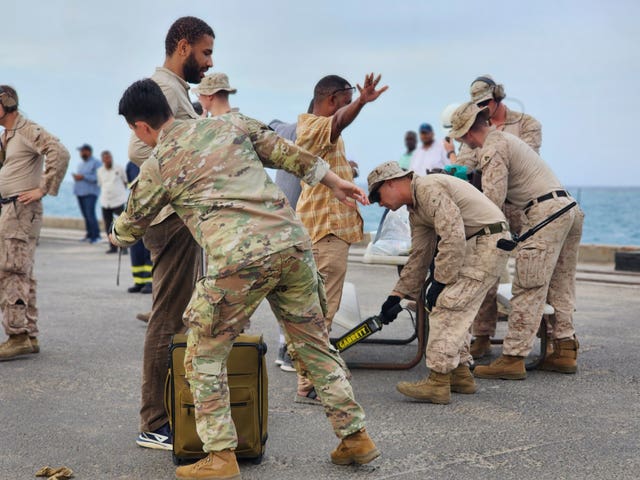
x=436 y=388
x=506 y=367
x=462 y=380
x=35 y=346
x=481 y=346
x=215 y=466
x=355 y=448
x=564 y=357
x=15 y=346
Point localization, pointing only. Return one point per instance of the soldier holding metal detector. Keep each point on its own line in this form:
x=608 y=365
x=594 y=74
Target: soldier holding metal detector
x=466 y=226
x=545 y=262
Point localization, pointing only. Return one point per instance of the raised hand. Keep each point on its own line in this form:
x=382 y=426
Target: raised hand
x=368 y=92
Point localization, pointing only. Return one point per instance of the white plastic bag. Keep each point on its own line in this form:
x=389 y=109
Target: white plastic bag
x=394 y=235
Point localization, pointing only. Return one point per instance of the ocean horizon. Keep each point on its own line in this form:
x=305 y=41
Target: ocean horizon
x=611 y=217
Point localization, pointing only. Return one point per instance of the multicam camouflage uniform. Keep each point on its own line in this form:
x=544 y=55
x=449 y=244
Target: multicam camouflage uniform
x=545 y=262
x=211 y=172
x=453 y=210
x=24 y=148
x=529 y=130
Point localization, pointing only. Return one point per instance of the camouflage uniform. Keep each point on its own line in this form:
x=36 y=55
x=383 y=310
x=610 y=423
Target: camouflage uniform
x=211 y=172
x=24 y=149
x=453 y=210
x=545 y=262
x=529 y=130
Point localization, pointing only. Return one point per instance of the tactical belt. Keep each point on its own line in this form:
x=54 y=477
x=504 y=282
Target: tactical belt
x=4 y=201
x=548 y=196
x=491 y=229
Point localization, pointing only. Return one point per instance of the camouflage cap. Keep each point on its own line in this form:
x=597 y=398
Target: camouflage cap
x=382 y=173
x=214 y=83
x=482 y=89
x=463 y=118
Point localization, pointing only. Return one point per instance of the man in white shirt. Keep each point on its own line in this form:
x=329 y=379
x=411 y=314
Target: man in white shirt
x=430 y=155
x=113 y=191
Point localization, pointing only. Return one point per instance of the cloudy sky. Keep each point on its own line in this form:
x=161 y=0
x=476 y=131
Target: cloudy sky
x=573 y=65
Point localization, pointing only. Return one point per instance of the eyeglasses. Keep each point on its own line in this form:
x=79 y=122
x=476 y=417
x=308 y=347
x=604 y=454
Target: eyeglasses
x=345 y=89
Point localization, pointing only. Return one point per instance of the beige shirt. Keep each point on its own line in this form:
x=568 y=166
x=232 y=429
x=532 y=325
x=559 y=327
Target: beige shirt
x=26 y=149
x=176 y=90
x=512 y=171
x=452 y=209
x=519 y=124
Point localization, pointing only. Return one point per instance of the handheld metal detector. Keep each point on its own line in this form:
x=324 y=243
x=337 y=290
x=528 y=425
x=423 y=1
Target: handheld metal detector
x=363 y=330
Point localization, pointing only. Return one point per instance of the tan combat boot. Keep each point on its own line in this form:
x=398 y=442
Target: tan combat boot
x=481 y=346
x=462 y=380
x=564 y=357
x=355 y=448
x=215 y=466
x=436 y=388
x=35 y=346
x=507 y=367
x=15 y=346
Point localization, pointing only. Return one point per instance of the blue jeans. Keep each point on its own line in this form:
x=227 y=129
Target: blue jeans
x=88 y=208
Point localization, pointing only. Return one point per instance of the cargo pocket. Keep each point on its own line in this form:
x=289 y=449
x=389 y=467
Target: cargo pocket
x=16 y=254
x=203 y=312
x=531 y=261
x=457 y=296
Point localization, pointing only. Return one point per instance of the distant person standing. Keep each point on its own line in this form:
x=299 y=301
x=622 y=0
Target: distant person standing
x=213 y=94
x=430 y=155
x=87 y=190
x=25 y=148
x=141 y=264
x=113 y=191
x=410 y=142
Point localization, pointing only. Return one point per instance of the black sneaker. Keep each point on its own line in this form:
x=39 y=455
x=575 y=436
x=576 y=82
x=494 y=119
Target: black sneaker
x=135 y=289
x=146 y=288
x=287 y=365
x=282 y=350
x=158 y=440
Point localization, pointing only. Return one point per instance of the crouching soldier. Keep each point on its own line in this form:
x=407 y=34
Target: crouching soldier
x=545 y=262
x=454 y=221
x=212 y=173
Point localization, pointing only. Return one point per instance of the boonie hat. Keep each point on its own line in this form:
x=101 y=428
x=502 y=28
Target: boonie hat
x=426 y=128
x=214 y=83
x=463 y=118
x=381 y=174
x=481 y=90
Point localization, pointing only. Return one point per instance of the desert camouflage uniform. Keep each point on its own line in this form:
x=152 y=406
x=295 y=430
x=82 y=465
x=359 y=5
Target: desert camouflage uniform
x=545 y=262
x=24 y=148
x=211 y=172
x=452 y=209
x=529 y=130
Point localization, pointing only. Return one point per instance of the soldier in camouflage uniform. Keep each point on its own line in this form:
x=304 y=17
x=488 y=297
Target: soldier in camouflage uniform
x=467 y=227
x=25 y=148
x=212 y=173
x=545 y=262
x=485 y=92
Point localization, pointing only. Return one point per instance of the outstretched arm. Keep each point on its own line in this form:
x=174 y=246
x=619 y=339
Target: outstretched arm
x=343 y=190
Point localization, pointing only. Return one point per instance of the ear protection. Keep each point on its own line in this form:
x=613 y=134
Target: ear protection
x=497 y=88
x=8 y=101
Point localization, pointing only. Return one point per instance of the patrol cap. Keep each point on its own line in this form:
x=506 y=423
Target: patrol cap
x=381 y=174
x=214 y=83
x=425 y=128
x=85 y=146
x=482 y=89
x=463 y=118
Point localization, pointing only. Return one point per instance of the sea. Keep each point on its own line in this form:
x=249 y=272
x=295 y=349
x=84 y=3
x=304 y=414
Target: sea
x=611 y=213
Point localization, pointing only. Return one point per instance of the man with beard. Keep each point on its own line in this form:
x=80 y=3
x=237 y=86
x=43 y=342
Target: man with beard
x=175 y=254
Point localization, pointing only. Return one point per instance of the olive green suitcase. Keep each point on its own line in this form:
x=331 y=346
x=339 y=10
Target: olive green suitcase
x=248 y=385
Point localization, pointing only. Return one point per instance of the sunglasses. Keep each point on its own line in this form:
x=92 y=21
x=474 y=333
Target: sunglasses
x=345 y=89
x=483 y=104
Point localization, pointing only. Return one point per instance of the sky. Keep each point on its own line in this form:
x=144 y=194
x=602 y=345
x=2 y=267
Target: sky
x=573 y=65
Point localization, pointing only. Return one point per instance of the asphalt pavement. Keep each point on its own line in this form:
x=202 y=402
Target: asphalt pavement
x=76 y=402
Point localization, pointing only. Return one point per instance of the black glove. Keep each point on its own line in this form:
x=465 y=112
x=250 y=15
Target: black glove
x=432 y=294
x=390 y=309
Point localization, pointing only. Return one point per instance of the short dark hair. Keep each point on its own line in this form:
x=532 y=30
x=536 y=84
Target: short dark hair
x=189 y=28
x=11 y=93
x=144 y=101
x=328 y=85
x=106 y=152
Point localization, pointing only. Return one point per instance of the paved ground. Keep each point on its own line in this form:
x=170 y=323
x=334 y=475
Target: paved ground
x=76 y=403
